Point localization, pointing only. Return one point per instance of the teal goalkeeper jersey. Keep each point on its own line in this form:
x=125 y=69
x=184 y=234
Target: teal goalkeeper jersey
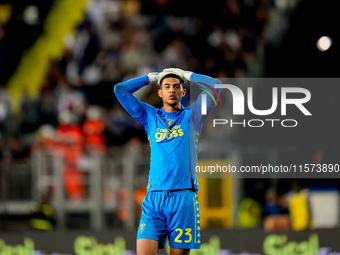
x=173 y=137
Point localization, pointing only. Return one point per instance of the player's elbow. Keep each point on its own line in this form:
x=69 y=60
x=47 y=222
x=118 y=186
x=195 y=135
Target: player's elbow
x=118 y=88
x=217 y=81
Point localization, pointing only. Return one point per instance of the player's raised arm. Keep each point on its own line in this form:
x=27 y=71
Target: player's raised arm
x=124 y=92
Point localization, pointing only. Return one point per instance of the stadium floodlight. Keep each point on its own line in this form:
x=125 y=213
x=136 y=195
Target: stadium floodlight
x=324 y=43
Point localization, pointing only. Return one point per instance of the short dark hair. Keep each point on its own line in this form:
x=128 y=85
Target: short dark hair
x=173 y=76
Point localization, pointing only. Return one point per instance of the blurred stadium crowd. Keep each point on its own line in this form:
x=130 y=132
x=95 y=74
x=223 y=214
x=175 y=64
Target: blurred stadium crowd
x=118 y=40
x=76 y=111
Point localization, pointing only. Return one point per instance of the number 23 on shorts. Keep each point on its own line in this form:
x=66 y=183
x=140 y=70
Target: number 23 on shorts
x=187 y=235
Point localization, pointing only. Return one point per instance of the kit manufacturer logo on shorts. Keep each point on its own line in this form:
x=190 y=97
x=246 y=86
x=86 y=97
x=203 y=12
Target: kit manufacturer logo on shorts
x=142 y=227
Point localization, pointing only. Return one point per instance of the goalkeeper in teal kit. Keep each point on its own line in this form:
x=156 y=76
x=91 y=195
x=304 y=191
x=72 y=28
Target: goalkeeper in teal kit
x=170 y=207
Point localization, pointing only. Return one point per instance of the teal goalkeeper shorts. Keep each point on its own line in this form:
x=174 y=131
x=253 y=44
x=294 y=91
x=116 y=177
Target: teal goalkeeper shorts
x=174 y=214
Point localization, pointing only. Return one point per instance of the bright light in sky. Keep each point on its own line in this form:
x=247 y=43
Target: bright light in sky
x=324 y=43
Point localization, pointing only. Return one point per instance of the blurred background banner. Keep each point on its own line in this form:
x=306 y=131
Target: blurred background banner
x=217 y=241
x=72 y=159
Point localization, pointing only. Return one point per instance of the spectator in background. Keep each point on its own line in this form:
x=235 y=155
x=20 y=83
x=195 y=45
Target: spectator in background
x=271 y=206
x=70 y=145
x=93 y=128
x=275 y=211
x=46 y=139
x=70 y=100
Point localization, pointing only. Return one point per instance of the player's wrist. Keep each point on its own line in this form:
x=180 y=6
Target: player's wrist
x=153 y=77
x=184 y=75
x=187 y=75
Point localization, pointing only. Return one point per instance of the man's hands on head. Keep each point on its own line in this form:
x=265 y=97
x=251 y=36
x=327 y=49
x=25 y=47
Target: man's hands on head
x=184 y=75
x=154 y=77
x=157 y=77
